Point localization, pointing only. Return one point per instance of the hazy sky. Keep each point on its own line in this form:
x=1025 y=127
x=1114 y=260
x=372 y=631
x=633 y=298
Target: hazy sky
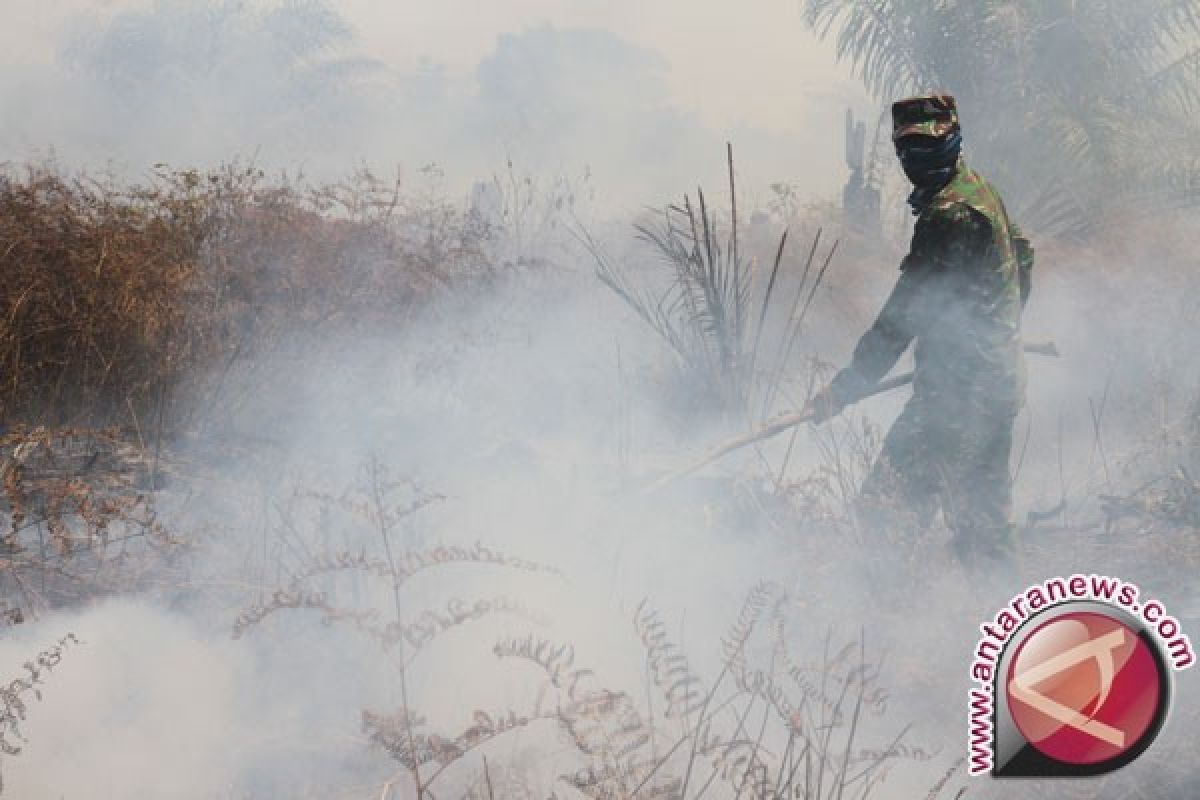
x=753 y=74
x=730 y=62
x=733 y=63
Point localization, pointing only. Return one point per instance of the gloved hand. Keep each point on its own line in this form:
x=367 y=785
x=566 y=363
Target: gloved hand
x=824 y=405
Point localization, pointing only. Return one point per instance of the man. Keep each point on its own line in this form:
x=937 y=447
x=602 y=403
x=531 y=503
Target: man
x=961 y=290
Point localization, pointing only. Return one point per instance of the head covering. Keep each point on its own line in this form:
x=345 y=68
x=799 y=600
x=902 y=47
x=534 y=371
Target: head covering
x=926 y=115
x=928 y=142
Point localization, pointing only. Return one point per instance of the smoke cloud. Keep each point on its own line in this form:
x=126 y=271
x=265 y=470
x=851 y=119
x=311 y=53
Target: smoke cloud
x=526 y=415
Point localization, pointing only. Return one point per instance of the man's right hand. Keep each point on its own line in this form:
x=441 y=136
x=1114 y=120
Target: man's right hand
x=824 y=405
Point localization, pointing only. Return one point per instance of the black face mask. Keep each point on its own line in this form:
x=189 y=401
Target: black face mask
x=929 y=161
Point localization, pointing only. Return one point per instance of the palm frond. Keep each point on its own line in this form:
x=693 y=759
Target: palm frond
x=704 y=296
x=1069 y=104
x=1177 y=82
x=877 y=37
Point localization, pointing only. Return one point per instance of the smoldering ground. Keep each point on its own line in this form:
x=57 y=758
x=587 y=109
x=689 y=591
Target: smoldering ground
x=525 y=418
x=508 y=413
x=515 y=423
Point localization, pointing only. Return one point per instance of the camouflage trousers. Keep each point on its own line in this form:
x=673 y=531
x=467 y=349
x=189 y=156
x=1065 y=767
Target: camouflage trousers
x=952 y=457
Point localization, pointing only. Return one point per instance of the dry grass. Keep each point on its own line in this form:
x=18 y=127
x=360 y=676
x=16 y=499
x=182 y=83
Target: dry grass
x=14 y=695
x=80 y=518
x=120 y=299
x=124 y=309
x=343 y=588
x=769 y=725
x=126 y=306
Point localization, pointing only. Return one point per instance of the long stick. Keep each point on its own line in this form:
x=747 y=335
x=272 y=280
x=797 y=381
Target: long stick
x=774 y=427
x=782 y=422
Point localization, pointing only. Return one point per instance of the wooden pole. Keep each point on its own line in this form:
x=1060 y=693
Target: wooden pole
x=783 y=422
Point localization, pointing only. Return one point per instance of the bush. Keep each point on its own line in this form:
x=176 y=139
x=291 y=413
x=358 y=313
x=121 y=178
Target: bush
x=118 y=298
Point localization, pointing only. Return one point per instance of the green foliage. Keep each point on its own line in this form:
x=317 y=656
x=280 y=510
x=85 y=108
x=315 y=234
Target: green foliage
x=1075 y=109
x=717 y=302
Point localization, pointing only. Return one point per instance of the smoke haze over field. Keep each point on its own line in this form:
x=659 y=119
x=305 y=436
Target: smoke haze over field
x=635 y=96
x=525 y=410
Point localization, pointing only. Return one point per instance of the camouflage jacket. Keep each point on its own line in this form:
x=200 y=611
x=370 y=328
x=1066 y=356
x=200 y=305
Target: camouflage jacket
x=960 y=294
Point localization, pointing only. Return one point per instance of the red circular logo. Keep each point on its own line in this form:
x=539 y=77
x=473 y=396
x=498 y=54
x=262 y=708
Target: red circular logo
x=1084 y=688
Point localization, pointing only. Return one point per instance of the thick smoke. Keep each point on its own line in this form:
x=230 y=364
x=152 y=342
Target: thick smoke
x=525 y=417
x=288 y=85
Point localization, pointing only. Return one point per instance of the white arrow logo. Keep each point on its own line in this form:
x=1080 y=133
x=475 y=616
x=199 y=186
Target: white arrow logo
x=1101 y=650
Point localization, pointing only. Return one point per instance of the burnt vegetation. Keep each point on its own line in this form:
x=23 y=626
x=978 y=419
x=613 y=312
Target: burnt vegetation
x=136 y=317
x=129 y=306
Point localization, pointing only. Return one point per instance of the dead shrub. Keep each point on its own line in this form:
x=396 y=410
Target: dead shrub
x=119 y=298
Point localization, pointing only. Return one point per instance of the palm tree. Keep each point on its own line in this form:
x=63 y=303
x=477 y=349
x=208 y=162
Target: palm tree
x=1076 y=109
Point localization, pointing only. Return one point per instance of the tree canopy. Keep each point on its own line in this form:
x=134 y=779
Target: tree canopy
x=1075 y=109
